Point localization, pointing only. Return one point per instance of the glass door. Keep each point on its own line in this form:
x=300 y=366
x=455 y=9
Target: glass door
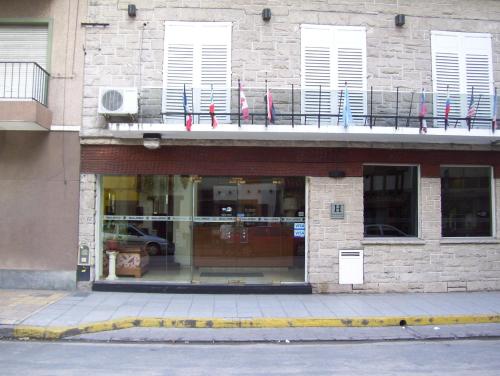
x=209 y=230
x=244 y=230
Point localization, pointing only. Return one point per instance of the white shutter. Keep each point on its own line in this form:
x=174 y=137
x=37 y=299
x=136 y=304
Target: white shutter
x=22 y=43
x=478 y=73
x=197 y=55
x=332 y=56
x=316 y=71
x=215 y=63
x=351 y=67
x=459 y=62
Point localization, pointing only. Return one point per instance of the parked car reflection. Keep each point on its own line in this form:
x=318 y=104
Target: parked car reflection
x=131 y=235
x=380 y=230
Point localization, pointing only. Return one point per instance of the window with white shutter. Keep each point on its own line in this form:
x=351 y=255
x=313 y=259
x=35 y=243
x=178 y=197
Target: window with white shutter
x=21 y=45
x=460 y=62
x=333 y=56
x=197 y=55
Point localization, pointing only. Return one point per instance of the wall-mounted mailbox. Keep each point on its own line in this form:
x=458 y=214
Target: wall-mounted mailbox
x=84 y=255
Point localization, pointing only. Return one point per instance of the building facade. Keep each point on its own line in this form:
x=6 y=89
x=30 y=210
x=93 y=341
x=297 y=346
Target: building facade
x=41 y=84
x=344 y=147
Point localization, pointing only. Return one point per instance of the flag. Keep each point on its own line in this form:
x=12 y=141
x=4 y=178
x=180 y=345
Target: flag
x=212 y=108
x=189 y=119
x=471 y=111
x=346 y=110
x=271 y=112
x=244 y=105
x=494 y=112
x=422 y=112
x=447 y=109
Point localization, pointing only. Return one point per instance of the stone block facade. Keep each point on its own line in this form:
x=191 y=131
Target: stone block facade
x=428 y=263
x=129 y=51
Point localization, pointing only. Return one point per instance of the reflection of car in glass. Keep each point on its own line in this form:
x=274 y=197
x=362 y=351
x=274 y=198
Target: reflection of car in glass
x=378 y=230
x=133 y=235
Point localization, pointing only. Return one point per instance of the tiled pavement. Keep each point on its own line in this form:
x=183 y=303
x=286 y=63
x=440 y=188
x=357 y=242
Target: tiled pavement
x=82 y=308
x=17 y=305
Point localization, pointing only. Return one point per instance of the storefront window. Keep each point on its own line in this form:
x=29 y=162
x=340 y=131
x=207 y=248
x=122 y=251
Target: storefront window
x=205 y=229
x=390 y=201
x=466 y=201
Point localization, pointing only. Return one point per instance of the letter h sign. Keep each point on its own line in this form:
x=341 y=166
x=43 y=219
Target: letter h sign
x=337 y=210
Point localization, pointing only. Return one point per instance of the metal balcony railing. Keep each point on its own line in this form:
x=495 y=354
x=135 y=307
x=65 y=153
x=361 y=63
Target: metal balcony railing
x=322 y=107
x=23 y=81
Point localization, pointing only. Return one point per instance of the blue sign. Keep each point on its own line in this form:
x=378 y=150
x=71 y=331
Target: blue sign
x=299 y=230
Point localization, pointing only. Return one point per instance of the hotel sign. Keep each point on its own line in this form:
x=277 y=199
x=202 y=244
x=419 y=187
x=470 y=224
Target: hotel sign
x=337 y=210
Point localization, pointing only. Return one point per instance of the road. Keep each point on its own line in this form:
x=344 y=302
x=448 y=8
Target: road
x=464 y=357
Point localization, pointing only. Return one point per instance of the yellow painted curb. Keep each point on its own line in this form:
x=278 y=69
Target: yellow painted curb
x=53 y=333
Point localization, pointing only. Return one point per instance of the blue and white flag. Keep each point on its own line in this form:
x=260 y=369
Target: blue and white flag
x=346 y=110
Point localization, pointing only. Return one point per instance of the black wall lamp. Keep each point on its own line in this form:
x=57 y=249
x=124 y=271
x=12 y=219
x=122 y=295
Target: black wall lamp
x=132 y=10
x=266 y=14
x=336 y=174
x=400 y=20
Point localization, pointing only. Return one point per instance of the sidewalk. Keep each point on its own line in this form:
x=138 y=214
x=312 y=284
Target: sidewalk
x=175 y=317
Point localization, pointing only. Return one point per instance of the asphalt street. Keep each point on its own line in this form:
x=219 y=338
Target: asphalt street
x=459 y=357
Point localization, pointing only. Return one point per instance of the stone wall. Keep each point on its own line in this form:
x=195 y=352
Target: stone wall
x=129 y=52
x=424 y=264
x=87 y=220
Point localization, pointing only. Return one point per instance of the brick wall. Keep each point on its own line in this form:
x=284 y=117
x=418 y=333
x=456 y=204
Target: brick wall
x=261 y=161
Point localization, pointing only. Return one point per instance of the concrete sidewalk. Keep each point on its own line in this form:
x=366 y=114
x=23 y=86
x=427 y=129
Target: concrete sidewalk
x=81 y=315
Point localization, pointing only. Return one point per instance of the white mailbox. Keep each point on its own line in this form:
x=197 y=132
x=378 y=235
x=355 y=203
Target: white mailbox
x=351 y=267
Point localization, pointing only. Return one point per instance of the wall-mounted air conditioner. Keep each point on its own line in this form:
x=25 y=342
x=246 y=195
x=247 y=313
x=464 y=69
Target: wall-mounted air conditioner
x=118 y=101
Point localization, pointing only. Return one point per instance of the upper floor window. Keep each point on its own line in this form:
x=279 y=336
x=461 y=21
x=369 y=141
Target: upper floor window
x=466 y=201
x=197 y=55
x=23 y=61
x=462 y=69
x=333 y=57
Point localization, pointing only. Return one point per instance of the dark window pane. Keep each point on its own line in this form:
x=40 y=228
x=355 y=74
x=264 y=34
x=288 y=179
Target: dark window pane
x=390 y=200
x=466 y=201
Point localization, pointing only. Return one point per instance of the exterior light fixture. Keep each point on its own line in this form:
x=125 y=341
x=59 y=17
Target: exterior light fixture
x=336 y=174
x=400 y=20
x=266 y=14
x=132 y=10
x=151 y=140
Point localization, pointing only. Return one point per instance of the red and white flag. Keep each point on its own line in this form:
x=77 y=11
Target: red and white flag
x=244 y=105
x=212 y=109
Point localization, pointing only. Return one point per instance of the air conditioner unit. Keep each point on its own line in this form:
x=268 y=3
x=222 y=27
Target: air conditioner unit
x=118 y=101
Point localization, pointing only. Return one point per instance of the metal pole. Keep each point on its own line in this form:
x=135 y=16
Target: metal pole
x=185 y=105
x=371 y=106
x=319 y=109
x=397 y=107
x=409 y=112
x=267 y=100
x=293 y=116
x=340 y=106
x=477 y=109
x=468 y=108
x=239 y=103
x=494 y=112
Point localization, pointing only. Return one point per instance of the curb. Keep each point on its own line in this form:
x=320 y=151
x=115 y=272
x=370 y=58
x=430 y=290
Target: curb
x=55 y=333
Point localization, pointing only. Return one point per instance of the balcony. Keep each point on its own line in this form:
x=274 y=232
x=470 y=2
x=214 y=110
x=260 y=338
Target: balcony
x=23 y=97
x=314 y=114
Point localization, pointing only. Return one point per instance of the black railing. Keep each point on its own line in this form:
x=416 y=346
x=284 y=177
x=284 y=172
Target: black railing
x=323 y=107
x=24 y=81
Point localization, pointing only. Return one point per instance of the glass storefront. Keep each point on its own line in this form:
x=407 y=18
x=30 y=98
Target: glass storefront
x=208 y=230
